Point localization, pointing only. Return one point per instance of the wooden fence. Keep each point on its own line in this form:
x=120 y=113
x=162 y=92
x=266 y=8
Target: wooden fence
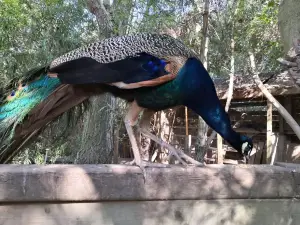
x=123 y=195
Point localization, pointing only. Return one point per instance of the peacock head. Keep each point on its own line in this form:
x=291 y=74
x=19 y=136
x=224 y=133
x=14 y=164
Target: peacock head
x=246 y=146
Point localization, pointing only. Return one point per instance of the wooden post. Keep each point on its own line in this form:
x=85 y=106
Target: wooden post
x=287 y=103
x=220 y=149
x=115 y=158
x=281 y=141
x=186 y=122
x=187 y=143
x=269 y=133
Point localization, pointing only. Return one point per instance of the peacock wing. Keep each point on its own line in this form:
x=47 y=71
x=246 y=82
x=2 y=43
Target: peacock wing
x=128 y=61
x=131 y=72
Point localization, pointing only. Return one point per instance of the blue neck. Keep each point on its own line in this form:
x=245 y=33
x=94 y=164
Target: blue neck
x=200 y=96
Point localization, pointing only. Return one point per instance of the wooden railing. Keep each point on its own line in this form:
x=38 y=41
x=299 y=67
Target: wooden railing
x=117 y=194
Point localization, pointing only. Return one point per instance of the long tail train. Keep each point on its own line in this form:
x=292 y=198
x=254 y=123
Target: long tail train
x=37 y=100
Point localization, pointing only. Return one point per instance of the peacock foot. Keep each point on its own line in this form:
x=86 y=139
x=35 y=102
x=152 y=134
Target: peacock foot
x=143 y=164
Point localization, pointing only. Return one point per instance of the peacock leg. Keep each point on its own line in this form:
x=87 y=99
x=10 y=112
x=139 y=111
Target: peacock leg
x=176 y=153
x=131 y=120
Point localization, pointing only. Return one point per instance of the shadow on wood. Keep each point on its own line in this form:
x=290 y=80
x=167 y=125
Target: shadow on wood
x=118 y=194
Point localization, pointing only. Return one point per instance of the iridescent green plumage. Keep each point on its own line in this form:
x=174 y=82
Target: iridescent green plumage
x=15 y=108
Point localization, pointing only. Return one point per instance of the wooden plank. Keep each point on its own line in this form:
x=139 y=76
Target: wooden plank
x=281 y=125
x=220 y=149
x=269 y=146
x=281 y=147
x=186 y=122
x=188 y=144
x=253 y=131
x=253 y=154
x=246 y=103
x=116 y=144
x=281 y=140
x=259 y=152
x=287 y=103
x=61 y=183
x=230 y=161
x=288 y=165
x=275 y=147
x=187 y=212
x=255 y=92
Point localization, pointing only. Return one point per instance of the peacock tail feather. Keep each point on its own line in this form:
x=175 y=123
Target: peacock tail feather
x=20 y=102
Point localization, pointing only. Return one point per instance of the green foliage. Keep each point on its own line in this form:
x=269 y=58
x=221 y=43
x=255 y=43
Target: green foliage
x=255 y=27
x=34 y=32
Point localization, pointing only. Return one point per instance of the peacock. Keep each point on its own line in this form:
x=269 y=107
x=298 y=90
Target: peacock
x=150 y=71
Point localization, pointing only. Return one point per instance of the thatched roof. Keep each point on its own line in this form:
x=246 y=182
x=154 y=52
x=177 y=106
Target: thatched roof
x=245 y=87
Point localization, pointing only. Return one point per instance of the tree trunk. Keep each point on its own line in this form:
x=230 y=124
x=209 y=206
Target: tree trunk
x=96 y=142
x=204 y=40
x=288 y=22
x=231 y=78
x=202 y=126
x=100 y=8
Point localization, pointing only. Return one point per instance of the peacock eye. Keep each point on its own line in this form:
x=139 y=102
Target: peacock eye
x=12 y=93
x=23 y=85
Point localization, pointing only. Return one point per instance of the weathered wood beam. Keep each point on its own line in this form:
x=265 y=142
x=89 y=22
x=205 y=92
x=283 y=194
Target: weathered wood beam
x=262 y=131
x=247 y=103
x=281 y=140
x=269 y=132
x=254 y=92
x=287 y=103
x=78 y=183
x=188 y=212
x=259 y=152
x=220 y=149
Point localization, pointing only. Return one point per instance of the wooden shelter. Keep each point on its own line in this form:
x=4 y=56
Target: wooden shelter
x=253 y=115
